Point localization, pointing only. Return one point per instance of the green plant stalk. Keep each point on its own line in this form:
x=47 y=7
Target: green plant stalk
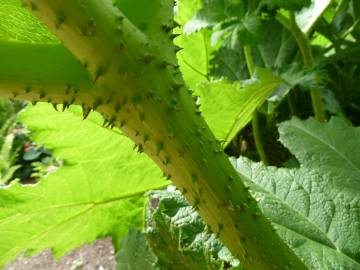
x=57 y=77
x=255 y=119
x=291 y=105
x=138 y=87
x=257 y=138
x=307 y=56
x=249 y=60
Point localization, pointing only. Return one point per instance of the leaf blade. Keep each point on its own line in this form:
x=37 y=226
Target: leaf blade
x=315 y=211
x=83 y=199
x=19 y=25
x=228 y=107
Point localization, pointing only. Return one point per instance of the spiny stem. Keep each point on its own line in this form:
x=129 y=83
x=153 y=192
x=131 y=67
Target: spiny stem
x=308 y=59
x=149 y=101
x=43 y=72
x=255 y=119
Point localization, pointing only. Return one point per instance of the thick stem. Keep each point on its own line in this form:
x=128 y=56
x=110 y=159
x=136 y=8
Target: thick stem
x=142 y=92
x=255 y=119
x=305 y=49
x=43 y=73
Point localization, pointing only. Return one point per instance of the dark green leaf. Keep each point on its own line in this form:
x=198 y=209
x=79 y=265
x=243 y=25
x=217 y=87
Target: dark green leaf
x=179 y=237
x=277 y=49
x=316 y=207
x=288 y=4
x=292 y=76
x=135 y=253
x=229 y=63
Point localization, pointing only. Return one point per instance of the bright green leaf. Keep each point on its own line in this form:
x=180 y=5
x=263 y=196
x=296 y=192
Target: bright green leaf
x=98 y=191
x=195 y=57
x=209 y=15
x=194 y=69
x=18 y=24
x=316 y=207
x=186 y=9
x=228 y=107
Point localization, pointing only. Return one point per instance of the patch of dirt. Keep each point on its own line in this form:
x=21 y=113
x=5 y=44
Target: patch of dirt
x=98 y=256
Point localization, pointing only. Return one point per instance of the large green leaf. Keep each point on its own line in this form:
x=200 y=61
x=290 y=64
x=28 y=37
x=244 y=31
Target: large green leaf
x=18 y=24
x=175 y=238
x=316 y=207
x=277 y=49
x=186 y=9
x=195 y=57
x=31 y=55
x=97 y=192
x=228 y=107
x=194 y=69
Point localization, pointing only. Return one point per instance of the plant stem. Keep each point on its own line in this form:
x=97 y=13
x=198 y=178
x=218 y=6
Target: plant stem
x=139 y=86
x=249 y=60
x=257 y=138
x=255 y=119
x=308 y=59
x=291 y=103
x=56 y=72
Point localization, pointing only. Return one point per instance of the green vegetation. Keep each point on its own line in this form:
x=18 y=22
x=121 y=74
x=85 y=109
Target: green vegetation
x=222 y=79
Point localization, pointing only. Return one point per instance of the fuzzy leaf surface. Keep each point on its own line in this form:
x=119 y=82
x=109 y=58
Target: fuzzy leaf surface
x=179 y=237
x=98 y=192
x=316 y=207
x=135 y=253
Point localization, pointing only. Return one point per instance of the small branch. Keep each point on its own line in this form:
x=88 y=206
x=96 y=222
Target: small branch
x=249 y=60
x=291 y=104
x=257 y=138
x=255 y=120
x=308 y=59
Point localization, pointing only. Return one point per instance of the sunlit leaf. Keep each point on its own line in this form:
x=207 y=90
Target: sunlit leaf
x=98 y=192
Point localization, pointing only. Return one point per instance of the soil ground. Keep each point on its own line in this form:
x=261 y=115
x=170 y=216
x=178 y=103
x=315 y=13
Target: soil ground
x=98 y=256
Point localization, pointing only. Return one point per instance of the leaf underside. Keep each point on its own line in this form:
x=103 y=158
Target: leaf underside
x=98 y=192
